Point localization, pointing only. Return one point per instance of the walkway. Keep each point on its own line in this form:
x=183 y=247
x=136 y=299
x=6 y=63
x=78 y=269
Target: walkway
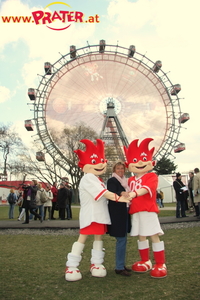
x=74 y=224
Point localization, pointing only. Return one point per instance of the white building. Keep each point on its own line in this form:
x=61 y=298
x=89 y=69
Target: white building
x=165 y=184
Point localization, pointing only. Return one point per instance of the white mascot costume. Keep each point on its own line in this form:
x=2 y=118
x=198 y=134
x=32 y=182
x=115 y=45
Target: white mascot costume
x=94 y=215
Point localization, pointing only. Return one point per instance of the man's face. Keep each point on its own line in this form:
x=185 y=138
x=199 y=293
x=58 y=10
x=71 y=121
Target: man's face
x=97 y=169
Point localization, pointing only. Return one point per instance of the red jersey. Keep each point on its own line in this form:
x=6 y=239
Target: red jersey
x=55 y=193
x=147 y=202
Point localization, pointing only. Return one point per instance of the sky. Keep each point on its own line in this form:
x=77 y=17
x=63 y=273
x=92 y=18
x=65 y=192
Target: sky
x=167 y=30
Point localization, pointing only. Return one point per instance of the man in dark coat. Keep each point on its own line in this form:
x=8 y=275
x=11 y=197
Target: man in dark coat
x=54 y=200
x=180 y=190
x=63 y=200
x=30 y=204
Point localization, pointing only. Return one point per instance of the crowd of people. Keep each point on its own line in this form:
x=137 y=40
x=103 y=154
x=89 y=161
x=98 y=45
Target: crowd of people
x=40 y=201
x=59 y=198
x=187 y=197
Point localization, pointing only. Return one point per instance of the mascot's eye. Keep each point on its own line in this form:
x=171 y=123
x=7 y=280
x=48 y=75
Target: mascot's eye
x=93 y=161
x=135 y=160
x=102 y=160
x=144 y=159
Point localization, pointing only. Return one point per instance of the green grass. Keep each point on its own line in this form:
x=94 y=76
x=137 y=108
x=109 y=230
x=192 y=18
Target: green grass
x=32 y=267
x=167 y=213
x=173 y=204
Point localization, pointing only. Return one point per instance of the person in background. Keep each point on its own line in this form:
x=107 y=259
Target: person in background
x=161 y=198
x=190 y=191
x=69 y=202
x=180 y=190
x=62 y=199
x=12 y=199
x=40 y=204
x=119 y=216
x=54 y=200
x=19 y=201
x=196 y=191
x=25 y=188
x=22 y=213
x=48 y=203
x=31 y=201
x=158 y=198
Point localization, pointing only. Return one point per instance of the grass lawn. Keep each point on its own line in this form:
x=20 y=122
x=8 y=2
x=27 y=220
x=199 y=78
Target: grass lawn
x=32 y=267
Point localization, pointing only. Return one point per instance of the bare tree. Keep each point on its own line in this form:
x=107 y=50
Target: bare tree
x=69 y=141
x=46 y=171
x=10 y=145
x=51 y=170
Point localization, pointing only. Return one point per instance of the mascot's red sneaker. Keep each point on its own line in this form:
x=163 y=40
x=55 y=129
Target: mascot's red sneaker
x=98 y=270
x=142 y=266
x=159 y=271
x=72 y=274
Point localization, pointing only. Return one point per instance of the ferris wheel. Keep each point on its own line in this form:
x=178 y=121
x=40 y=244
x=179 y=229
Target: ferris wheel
x=81 y=85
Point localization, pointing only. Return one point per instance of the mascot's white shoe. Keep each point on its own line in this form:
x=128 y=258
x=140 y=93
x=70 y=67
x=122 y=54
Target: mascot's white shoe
x=72 y=274
x=98 y=270
x=159 y=271
x=142 y=266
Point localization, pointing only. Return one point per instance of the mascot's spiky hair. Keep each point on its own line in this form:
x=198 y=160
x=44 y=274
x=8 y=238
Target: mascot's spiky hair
x=137 y=152
x=94 y=154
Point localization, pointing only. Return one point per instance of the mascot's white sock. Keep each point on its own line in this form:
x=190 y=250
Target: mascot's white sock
x=97 y=269
x=72 y=273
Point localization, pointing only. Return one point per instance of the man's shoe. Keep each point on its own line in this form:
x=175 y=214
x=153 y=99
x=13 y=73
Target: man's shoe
x=25 y=223
x=127 y=269
x=123 y=272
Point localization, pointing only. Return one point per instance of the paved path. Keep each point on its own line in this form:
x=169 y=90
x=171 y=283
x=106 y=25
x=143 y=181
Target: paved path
x=74 y=224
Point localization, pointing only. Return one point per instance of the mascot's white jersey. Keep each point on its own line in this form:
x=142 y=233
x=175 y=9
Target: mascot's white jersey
x=94 y=207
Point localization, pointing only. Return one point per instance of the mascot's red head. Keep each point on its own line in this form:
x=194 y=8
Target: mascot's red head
x=139 y=158
x=93 y=155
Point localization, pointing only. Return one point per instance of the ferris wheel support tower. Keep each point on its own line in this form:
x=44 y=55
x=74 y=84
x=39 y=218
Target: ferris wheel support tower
x=112 y=133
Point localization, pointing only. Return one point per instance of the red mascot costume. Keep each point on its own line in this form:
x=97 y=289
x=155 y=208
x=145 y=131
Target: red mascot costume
x=144 y=208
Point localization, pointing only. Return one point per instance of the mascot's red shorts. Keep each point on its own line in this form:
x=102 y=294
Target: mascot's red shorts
x=94 y=228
